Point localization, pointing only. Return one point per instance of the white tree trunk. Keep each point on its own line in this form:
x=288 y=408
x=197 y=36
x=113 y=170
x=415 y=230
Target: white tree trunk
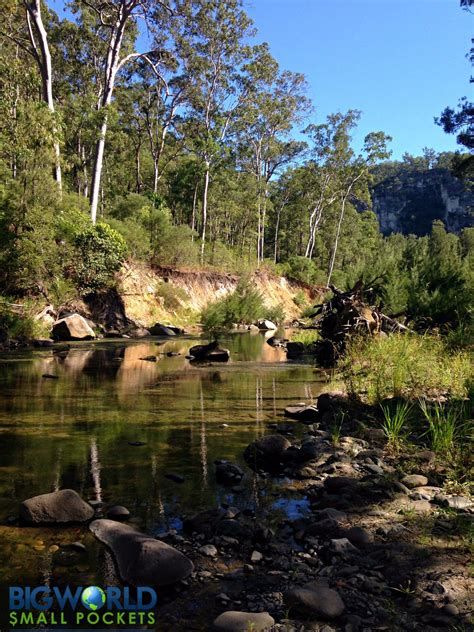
x=204 y=209
x=97 y=172
x=43 y=58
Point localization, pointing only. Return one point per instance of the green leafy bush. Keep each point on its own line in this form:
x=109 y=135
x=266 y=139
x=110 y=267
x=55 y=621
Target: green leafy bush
x=101 y=252
x=243 y=306
x=275 y=313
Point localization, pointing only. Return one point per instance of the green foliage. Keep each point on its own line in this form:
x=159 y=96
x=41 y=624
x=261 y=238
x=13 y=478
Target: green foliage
x=20 y=324
x=275 y=313
x=243 y=306
x=101 y=252
x=300 y=299
x=307 y=336
x=407 y=366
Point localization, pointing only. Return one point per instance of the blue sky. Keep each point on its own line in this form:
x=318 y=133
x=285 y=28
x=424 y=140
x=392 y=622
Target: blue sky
x=399 y=61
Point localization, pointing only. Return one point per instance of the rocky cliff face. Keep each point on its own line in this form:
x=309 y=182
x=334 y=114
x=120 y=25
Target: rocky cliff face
x=410 y=201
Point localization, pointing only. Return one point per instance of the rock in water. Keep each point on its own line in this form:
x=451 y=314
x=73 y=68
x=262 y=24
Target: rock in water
x=142 y=560
x=228 y=473
x=73 y=327
x=304 y=413
x=266 y=325
x=162 y=330
x=233 y=621
x=63 y=507
x=209 y=353
x=267 y=452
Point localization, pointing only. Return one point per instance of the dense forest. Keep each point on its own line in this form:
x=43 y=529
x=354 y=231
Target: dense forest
x=167 y=133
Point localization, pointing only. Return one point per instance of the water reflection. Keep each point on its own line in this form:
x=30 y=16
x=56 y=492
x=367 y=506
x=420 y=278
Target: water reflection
x=112 y=425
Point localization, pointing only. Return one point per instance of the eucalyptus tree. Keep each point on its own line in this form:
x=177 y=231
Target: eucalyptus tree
x=274 y=104
x=115 y=25
x=354 y=172
x=23 y=24
x=210 y=47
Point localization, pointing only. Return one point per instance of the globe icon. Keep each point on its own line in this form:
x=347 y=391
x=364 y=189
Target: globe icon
x=93 y=597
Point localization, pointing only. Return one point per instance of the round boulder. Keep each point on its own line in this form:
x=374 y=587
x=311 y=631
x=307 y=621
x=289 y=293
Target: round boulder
x=141 y=560
x=62 y=507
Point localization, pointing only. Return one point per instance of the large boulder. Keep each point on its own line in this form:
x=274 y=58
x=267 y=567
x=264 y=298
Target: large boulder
x=266 y=325
x=209 y=353
x=267 y=453
x=234 y=621
x=73 y=327
x=141 y=560
x=163 y=330
x=62 y=507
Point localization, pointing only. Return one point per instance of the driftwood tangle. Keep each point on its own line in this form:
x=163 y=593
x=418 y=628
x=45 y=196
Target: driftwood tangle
x=346 y=314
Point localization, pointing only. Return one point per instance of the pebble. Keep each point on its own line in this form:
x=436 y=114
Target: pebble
x=256 y=557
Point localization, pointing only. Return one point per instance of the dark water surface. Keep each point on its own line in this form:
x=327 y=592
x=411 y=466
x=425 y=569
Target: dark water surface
x=74 y=432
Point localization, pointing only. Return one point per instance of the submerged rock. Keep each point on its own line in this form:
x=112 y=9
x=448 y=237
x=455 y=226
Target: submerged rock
x=234 y=621
x=142 y=560
x=73 y=327
x=62 y=507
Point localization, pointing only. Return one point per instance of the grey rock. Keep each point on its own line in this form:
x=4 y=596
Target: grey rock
x=163 y=330
x=62 y=507
x=342 y=546
x=228 y=473
x=454 y=502
x=73 y=327
x=234 y=621
x=304 y=413
x=141 y=560
x=414 y=480
x=266 y=325
x=118 y=512
x=266 y=452
x=321 y=601
x=209 y=550
x=359 y=536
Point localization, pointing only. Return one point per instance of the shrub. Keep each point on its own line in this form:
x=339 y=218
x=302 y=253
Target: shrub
x=306 y=336
x=275 y=313
x=300 y=299
x=244 y=305
x=410 y=366
x=101 y=252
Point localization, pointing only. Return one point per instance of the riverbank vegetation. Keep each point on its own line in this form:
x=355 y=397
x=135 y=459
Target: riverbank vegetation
x=192 y=157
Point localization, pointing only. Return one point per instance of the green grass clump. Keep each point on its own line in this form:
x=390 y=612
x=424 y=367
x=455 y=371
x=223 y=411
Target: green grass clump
x=408 y=366
x=306 y=336
x=172 y=297
x=395 y=422
x=448 y=427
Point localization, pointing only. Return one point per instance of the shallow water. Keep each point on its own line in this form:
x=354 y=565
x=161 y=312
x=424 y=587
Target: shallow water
x=74 y=432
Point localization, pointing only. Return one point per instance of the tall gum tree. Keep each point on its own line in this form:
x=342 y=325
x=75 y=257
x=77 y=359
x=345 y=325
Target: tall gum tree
x=115 y=21
x=210 y=47
x=32 y=37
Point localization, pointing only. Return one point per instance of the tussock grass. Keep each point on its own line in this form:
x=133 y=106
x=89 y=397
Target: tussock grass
x=395 y=422
x=407 y=366
x=306 y=336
